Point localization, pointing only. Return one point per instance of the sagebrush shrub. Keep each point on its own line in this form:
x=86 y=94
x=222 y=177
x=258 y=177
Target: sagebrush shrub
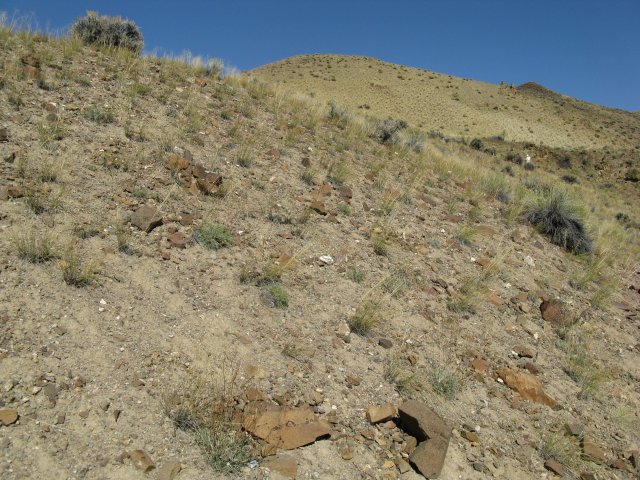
x=555 y=215
x=94 y=29
x=386 y=131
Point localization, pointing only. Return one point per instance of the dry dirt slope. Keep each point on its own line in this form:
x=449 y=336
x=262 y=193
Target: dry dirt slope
x=418 y=242
x=456 y=106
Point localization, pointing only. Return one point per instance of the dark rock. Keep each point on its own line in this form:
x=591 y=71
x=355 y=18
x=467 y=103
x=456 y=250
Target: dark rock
x=4 y=135
x=555 y=466
x=556 y=312
x=385 y=343
x=146 y=218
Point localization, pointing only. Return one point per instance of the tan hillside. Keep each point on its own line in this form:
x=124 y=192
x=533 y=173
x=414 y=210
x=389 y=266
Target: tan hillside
x=212 y=277
x=456 y=106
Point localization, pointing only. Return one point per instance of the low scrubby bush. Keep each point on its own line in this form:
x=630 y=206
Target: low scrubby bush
x=386 y=131
x=557 y=216
x=102 y=30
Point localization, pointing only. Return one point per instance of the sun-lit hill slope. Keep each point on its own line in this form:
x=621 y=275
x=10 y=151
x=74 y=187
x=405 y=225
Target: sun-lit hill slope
x=456 y=106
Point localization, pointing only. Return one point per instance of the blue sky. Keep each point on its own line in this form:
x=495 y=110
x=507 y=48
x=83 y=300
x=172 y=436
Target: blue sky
x=583 y=48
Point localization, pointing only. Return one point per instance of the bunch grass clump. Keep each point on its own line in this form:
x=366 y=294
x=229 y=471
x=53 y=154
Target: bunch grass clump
x=106 y=31
x=554 y=214
x=213 y=236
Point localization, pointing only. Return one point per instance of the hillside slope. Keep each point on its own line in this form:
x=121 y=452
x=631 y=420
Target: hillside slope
x=456 y=106
x=178 y=248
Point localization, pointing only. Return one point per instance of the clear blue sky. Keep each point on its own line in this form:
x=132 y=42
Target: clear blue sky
x=584 y=48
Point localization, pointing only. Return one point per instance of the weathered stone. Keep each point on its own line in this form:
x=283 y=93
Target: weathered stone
x=319 y=207
x=209 y=183
x=574 y=429
x=494 y=298
x=176 y=162
x=380 y=413
x=146 y=218
x=10 y=191
x=4 y=134
x=30 y=59
x=556 y=312
x=283 y=464
x=555 y=466
x=471 y=436
x=346 y=452
x=420 y=421
x=60 y=418
x=51 y=392
x=587 y=476
x=528 y=386
x=429 y=456
x=178 y=240
x=8 y=416
x=618 y=463
x=526 y=352
x=403 y=467
x=169 y=470
x=254 y=394
x=591 y=449
x=479 y=365
x=284 y=427
x=410 y=444
x=353 y=380
x=142 y=460
x=385 y=343
x=346 y=192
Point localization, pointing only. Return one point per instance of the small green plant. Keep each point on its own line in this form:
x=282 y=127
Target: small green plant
x=49 y=133
x=379 y=245
x=396 y=282
x=344 y=209
x=308 y=176
x=366 y=317
x=243 y=157
x=34 y=247
x=140 y=193
x=579 y=365
x=278 y=296
x=123 y=236
x=561 y=448
x=466 y=235
x=75 y=271
x=559 y=217
x=632 y=175
x=445 y=382
x=405 y=381
x=49 y=172
x=213 y=236
x=355 y=275
x=139 y=89
x=95 y=114
x=338 y=172
x=42 y=201
x=105 y=31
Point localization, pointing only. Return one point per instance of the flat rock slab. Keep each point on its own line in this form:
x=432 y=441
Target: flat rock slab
x=382 y=413
x=285 y=465
x=527 y=385
x=146 y=218
x=284 y=427
x=433 y=434
x=8 y=416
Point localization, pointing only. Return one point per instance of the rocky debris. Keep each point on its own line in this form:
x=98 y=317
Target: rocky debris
x=8 y=416
x=284 y=427
x=283 y=464
x=146 y=218
x=178 y=240
x=169 y=470
x=574 y=429
x=472 y=436
x=593 y=450
x=381 y=413
x=385 y=343
x=142 y=460
x=10 y=191
x=431 y=432
x=4 y=134
x=556 y=312
x=353 y=380
x=524 y=352
x=191 y=175
x=555 y=466
x=527 y=385
x=479 y=365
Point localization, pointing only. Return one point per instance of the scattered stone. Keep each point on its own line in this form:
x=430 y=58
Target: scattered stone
x=209 y=183
x=353 y=380
x=142 y=460
x=319 y=207
x=178 y=240
x=525 y=352
x=284 y=427
x=591 y=449
x=555 y=466
x=254 y=394
x=432 y=433
x=51 y=392
x=10 y=157
x=169 y=470
x=556 y=312
x=479 y=365
x=495 y=299
x=326 y=259
x=410 y=445
x=4 y=134
x=10 y=191
x=176 y=162
x=471 y=436
x=618 y=463
x=531 y=368
x=8 y=416
x=84 y=413
x=574 y=429
x=385 y=343
x=382 y=413
x=116 y=414
x=146 y=218
x=587 y=476
x=480 y=467
x=528 y=386
x=283 y=464
x=346 y=452
x=60 y=418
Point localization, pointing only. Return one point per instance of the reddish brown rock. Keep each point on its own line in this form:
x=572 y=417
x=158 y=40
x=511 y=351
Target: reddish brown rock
x=142 y=460
x=201 y=82
x=209 y=183
x=555 y=466
x=176 y=162
x=471 y=436
x=410 y=444
x=495 y=299
x=479 y=365
x=556 y=312
x=178 y=240
x=593 y=450
x=8 y=416
x=526 y=352
x=346 y=193
x=381 y=413
x=146 y=218
x=319 y=207
x=528 y=386
x=353 y=380
x=284 y=427
x=574 y=429
x=432 y=433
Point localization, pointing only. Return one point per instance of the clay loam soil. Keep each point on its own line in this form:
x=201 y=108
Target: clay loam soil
x=178 y=247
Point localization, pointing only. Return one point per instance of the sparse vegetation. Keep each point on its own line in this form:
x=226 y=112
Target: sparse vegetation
x=34 y=246
x=105 y=31
x=444 y=382
x=278 y=296
x=98 y=115
x=213 y=236
x=559 y=217
x=366 y=317
x=76 y=271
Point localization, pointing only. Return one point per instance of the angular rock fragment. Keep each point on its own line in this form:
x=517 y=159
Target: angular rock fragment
x=146 y=218
x=528 y=386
